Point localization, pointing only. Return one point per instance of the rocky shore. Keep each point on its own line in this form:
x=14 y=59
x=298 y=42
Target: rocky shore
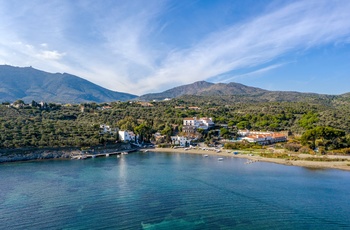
x=13 y=155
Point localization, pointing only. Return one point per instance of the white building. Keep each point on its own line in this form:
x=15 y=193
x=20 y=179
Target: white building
x=125 y=135
x=105 y=128
x=265 y=137
x=203 y=123
x=179 y=140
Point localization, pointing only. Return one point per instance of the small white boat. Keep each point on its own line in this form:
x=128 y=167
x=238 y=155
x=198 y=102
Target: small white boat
x=249 y=162
x=220 y=159
x=107 y=154
x=205 y=155
x=145 y=151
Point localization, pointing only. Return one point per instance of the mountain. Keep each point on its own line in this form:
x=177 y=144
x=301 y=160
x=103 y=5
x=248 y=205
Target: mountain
x=203 y=88
x=233 y=92
x=27 y=84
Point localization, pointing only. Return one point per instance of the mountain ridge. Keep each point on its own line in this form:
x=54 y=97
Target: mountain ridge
x=27 y=83
x=204 y=88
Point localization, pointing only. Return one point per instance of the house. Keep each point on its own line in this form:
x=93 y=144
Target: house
x=107 y=129
x=207 y=121
x=125 y=135
x=192 y=124
x=260 y=139
x=158 y=137
x=106 y=107
x=191 y=121
x=263 y=138
x=180 y=140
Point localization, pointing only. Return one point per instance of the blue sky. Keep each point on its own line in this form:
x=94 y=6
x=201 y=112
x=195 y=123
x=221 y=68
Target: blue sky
x=142 y=46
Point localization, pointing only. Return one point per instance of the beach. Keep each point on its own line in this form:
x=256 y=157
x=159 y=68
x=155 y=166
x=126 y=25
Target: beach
x=333 y=161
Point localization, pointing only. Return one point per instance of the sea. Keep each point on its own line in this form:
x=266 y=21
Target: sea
x=171 y=191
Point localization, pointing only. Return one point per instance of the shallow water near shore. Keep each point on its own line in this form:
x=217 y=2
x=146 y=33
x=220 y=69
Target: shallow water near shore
x=171 y=191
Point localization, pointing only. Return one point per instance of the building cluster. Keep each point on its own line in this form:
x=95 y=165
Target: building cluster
x=263 y=138
x=191 y=124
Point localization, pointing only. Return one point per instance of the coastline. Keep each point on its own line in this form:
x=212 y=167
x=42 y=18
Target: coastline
x=340 y=162
x=32 y=154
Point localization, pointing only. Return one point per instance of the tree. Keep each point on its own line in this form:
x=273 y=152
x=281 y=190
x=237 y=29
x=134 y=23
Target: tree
x=243 y=125
x=308 y=120
x=323 y=136
x=224 y=133
x=144 y=131
x=167 y=131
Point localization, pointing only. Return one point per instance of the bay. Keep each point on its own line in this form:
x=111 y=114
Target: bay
x=171 y=191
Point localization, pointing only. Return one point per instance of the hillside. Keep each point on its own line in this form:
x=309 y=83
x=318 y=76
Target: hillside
x=30 y=84
x=203 y=88
x=235 y=92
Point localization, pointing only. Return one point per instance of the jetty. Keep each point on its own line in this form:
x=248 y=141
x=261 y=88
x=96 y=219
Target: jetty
x=83 y=156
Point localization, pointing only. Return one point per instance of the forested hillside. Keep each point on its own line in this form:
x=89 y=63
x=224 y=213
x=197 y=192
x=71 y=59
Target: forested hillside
x=78 y=125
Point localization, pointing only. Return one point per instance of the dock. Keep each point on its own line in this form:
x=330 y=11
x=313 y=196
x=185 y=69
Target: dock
x=106 y=154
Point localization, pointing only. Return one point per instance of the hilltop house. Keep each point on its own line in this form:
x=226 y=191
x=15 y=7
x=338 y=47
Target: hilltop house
x=190 y=125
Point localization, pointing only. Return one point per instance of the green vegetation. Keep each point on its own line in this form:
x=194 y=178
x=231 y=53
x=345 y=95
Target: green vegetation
x=322 y=124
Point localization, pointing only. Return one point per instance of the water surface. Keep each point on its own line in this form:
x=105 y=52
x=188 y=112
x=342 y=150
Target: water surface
x=171 y=191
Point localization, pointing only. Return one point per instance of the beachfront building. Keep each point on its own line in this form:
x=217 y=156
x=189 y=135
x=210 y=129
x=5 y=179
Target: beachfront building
x=263 y=138
x=180 y=140
x=125 y=135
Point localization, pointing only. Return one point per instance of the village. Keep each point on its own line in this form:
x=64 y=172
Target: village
x=193 y=131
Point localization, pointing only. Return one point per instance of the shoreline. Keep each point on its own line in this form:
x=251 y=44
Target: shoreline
x=336 y=164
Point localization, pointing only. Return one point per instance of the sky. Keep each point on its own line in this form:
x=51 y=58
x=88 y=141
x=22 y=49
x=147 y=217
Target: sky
x=144 y=46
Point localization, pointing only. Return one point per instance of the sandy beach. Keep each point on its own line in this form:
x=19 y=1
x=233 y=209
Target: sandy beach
x=334 y=162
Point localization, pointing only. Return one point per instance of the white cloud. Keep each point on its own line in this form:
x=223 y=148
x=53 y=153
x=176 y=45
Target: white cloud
x=50 y=55
x=116 y=46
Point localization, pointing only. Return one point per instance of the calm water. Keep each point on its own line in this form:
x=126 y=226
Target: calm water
x=171 y=191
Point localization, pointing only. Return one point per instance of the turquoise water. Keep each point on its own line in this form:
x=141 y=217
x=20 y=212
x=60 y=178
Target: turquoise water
x=171 y=191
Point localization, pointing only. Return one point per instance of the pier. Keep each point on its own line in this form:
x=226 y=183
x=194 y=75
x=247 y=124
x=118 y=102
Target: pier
x=106 y=154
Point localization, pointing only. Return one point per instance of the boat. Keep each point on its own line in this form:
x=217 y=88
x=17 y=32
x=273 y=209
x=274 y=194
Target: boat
x=205 y=155
x=125 y=153
x=93 y=156
x=249 y=162
x=145 y=151
x=107 y=154
x=220 y=159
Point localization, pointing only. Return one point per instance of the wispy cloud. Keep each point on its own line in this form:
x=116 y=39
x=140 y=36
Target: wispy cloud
x=116 y=43
x=230 y=77
x=297 y=26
